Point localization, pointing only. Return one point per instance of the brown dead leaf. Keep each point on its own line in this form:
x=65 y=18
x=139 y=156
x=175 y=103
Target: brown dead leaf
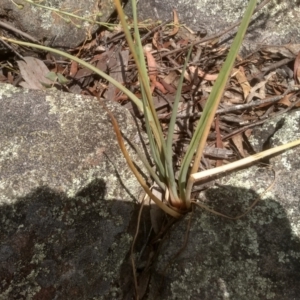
x=171 y=77
x=289 y=50
x=208 y=77
x=152 y=72
x=248 y=132
x=10 y=77
x=100 y=56
x=120 y=98
x=293 y=48
x=285 y=101
x=241 y=78
x=118 y=63
x=160 y=87
x=108 y=60
x=33 y=71
x=81 y=73
x=168 y=87
x=183 y=42
x=238 y=142
x=152 y=69
x=176 y=23
x=233 y=96
x=155 y=41
x=73 y=68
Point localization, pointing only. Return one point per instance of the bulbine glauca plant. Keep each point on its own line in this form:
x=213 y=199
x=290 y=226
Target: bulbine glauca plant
x=177 y=191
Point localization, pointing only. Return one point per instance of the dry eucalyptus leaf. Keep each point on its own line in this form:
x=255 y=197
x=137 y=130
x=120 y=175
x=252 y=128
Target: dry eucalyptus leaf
x=240 y=76
x=238 y=142
x=289 y=50
x=34 y=73
x=118 y=63
x=285 y=101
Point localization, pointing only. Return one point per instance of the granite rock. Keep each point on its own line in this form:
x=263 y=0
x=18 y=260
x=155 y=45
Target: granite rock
x=52 y=26
x=67 y=197
x=275 y=24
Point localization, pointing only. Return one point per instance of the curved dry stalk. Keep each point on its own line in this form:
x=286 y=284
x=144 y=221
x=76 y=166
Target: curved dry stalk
x=240 y=163
x=134 y=170
x=244 y=213
x=132 y=249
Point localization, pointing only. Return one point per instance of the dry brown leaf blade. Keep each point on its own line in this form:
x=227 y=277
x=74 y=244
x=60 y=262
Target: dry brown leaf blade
x=33 y=71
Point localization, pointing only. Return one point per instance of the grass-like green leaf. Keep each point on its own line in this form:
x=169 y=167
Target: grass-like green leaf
x=200 y=136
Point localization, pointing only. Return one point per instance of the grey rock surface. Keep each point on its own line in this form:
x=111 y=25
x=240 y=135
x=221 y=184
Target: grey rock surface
x=255 y=257
x=275 y=24
x=66 y=197
x=61 y=30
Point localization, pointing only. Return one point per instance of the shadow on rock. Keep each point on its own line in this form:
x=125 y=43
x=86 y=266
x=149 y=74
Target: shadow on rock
x=56 y=247
x=255 y=257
